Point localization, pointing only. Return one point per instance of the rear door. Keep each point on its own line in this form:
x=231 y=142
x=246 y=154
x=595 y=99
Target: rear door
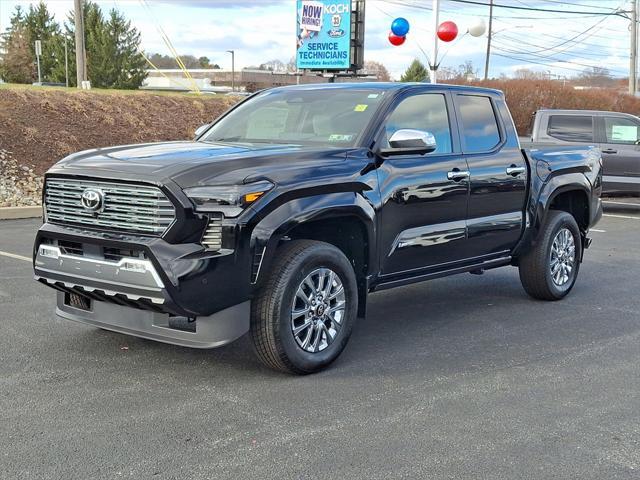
x=498 y=175
x=620 y=150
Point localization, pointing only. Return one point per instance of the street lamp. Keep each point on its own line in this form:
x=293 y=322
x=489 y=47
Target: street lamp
x=233 y=70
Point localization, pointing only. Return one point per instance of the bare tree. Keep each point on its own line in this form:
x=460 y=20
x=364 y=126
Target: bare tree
x=528 y=74
x=378 y=69
x=596 y=77
x=274 y=65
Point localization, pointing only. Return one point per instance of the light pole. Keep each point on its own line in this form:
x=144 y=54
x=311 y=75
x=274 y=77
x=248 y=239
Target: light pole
x=434 y=52
x=66 y=63
x=38 y=48
x=233 y=69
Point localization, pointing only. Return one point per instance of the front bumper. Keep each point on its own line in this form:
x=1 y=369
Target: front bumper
x=179 y=279
x=134 y=278
x=204 y=332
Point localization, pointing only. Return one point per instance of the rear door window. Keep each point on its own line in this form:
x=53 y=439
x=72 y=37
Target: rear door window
x=571 y=128
x=480 y=131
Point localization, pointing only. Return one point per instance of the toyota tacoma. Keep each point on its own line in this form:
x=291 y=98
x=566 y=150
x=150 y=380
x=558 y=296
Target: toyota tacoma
x=286 y=212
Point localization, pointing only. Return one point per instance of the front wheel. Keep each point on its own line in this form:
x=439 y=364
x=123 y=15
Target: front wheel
x=550 y=269
x=304 y=312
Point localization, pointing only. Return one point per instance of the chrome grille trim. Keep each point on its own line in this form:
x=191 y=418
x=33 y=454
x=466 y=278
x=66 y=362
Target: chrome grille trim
x=134 y=208
x=212 y=238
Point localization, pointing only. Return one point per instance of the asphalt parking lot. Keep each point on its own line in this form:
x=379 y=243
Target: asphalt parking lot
x=464 y=377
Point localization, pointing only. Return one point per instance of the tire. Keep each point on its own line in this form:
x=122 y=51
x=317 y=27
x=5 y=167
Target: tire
x=544 y=273
x=272 y=311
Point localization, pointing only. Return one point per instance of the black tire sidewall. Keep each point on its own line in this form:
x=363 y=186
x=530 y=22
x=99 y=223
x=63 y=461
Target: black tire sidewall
x=318 y=256
x=562 y=221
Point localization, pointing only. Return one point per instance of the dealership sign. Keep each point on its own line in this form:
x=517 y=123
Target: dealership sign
x=323 y=34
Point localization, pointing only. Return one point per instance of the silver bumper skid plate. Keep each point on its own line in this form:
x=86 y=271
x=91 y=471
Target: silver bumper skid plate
x=131 y=273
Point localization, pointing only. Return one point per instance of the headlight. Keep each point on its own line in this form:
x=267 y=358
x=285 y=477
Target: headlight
x=228 y=199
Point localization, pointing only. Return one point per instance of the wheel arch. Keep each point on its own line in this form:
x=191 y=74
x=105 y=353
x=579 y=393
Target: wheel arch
x=570 y=192
x=345 y=220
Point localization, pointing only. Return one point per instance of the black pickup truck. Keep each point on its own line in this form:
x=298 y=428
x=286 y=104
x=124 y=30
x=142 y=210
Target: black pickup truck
x=286 y=212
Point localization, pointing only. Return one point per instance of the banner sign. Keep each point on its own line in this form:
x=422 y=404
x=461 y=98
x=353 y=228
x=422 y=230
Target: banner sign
x=324 y=34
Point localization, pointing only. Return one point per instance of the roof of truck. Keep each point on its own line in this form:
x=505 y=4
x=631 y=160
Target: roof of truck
x=390 y=86
x=580 y=112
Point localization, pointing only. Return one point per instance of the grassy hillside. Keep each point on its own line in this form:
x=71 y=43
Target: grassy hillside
x=41 y=125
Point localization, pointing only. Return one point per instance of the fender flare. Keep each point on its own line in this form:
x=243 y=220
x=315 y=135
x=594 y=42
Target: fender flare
x=270 y=229
x=542 y=196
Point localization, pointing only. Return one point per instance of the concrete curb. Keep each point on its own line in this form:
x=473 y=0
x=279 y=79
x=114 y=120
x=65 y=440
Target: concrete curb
x=12 y=213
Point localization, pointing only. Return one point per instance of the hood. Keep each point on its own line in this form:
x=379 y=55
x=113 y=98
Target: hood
x=193 y=163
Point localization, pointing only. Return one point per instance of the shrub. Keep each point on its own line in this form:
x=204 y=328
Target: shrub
x=526 y=96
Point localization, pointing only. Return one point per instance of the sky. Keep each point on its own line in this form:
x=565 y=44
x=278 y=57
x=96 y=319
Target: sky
x=560 y=43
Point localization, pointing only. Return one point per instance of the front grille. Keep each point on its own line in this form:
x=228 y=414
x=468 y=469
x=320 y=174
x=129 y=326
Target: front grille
x=212 y=238
x=129 y=208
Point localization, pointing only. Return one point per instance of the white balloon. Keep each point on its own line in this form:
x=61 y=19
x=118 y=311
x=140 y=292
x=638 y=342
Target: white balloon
x=477 y=28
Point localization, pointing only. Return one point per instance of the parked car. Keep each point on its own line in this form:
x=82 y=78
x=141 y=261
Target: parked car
x=616 y=134
x=286 y=212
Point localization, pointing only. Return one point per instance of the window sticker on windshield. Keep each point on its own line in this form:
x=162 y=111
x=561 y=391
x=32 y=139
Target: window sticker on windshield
x=373 y=95
x=360 y=107
x=336 y=137
x=624 y=133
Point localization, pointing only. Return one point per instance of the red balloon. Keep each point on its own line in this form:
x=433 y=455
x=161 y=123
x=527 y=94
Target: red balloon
x=396 y=39
x=447 y=31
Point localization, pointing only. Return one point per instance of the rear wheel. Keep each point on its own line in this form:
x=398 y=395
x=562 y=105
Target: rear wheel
x=304 y=312
x=550 y=269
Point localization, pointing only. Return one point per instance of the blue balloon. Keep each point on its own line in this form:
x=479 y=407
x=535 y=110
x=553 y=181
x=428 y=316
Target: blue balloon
x=400 y=26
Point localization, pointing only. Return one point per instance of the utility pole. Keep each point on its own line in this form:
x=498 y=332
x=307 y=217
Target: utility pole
x=434 y=52
x=233 y=69
x=486 y=60
x=81 y=68
x=633 y=58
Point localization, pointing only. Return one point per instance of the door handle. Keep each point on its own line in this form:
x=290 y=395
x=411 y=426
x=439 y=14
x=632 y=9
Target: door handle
x=515 y=171
x=609 y=150
x=456 y=175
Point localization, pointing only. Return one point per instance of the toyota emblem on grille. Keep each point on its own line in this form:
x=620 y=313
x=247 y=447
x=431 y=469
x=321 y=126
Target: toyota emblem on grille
x=92 y=199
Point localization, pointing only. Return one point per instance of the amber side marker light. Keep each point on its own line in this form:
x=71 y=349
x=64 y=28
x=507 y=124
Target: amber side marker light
x=252 y=197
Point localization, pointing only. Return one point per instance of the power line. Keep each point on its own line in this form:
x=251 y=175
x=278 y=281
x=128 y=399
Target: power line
x=539 y=63
x=514 y=42
x=553 y=59
x=576 y=14
x=613 y=12
x=558 y=2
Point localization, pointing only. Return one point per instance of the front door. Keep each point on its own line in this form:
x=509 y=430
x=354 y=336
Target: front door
x=620 y=152
x=424 y=197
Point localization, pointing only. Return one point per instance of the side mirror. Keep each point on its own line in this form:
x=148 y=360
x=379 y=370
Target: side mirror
x=200 y=130
x=409 y=142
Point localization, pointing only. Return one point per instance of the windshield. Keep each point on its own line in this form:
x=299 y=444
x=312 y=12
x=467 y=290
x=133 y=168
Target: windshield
x=324 y=117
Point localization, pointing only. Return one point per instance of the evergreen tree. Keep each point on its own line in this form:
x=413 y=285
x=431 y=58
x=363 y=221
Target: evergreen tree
x=41 y=25
x=112 y=45
x=416 y=72
x=15 y=60
x=123 y=51
x=16 y=65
